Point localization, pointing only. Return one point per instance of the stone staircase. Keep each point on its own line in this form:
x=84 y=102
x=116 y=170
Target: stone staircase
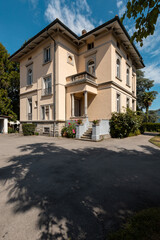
x=87 y=135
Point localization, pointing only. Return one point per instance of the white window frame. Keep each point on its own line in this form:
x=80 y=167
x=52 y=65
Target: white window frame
x=29 y=108
x=70 y=56
x=29 y=75
x=118 y=68
x=43 y=115
x=47 y=55
x=47 y=80
x=128 y=76
x=127 y=102
x=91 y=66
x=118 y=102
x=90 y=45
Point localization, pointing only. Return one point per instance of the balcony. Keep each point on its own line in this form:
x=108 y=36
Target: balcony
x=29 y=116
x=81 y=77
x=46 y=91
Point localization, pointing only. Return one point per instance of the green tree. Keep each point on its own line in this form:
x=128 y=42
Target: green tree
x=148 y=98
x=145 y=14
x=9 y=85
x=143 y=85
x=145 y=97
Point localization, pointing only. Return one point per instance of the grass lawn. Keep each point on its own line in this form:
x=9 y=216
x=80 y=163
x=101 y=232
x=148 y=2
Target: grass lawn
x=156 y=140
x=145 y=225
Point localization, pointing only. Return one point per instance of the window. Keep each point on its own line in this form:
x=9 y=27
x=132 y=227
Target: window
x=29 y=76
x=133 y=105
x=91 y=67
x=29 y=108
x=70 y=59
x=118 y=103
x=118 y=63
x=118 y=45
x=127 y=76
x=36 y=104
x=46 y=130
x=127 y=102
x=47 y=86
x=90 y=45
x=47 y=55
x=127 y=57
x=45 y=112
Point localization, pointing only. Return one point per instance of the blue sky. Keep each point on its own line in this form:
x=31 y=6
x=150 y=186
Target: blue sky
x=22 y=19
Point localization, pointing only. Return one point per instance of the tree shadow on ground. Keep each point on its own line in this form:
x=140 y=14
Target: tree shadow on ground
x=85 y=193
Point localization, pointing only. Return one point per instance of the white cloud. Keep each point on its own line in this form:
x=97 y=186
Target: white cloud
x=152 y=72
x=34 y=3
x=121 y=7
x=119 y=4
x=75 y=15
x=111 y=12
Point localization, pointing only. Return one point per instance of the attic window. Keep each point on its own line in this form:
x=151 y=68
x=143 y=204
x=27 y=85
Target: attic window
x=118 y=45
x=90 y=45
x=70 y=59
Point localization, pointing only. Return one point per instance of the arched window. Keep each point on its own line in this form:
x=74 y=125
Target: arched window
x=29 y=77
x=91 y=67
x=118 y=67
x=127 y=76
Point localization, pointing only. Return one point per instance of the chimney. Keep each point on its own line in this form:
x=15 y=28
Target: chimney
x=84 y=31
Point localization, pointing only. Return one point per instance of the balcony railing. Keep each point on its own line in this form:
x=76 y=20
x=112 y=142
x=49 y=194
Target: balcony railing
x=29 y=116
x=80 y=77
x=46 y=91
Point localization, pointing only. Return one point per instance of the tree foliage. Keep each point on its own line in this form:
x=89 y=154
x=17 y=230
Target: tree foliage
x=9 y=85
x=145 y=13
x=145 y=97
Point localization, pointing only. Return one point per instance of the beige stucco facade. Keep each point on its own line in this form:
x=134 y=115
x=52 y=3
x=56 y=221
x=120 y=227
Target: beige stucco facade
x=82 y=77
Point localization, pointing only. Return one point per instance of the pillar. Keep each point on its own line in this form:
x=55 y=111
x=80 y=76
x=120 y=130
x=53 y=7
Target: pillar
x=72 y=99
x=85 y=103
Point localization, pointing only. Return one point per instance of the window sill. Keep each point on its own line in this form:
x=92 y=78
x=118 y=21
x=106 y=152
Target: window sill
x=47 y=95
x=46 y=62
x=31 y=85
x=128 y=85
x=119 y=79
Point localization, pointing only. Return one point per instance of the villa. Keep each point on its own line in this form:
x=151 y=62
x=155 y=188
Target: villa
x=66 y=77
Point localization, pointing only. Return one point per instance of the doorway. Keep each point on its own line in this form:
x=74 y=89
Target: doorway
x=1 y=125
x=77 y=107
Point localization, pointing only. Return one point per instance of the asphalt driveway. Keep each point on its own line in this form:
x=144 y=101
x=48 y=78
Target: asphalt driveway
x=72 y=190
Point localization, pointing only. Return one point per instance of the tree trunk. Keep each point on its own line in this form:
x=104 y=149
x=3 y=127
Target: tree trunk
x=147 y=107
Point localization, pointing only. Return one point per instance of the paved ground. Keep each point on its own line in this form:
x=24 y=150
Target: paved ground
x=66 y=189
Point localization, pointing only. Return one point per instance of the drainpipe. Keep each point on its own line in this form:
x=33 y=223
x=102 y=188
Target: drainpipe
x=54 y=83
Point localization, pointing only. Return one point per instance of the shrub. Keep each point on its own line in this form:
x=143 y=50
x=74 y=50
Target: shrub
x=28 y=129
x=63 y=131
x=11 y=130
x=123 y=124
x=144 y=225
x=36 y=133
x=95 y=122
x=70 y=130
x=151 y=127
x=79 y=121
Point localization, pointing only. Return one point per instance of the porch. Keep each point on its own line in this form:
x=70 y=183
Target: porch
x=81 y=89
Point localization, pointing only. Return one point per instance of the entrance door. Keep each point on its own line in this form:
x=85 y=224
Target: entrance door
x=1 y=125
x=77 y=106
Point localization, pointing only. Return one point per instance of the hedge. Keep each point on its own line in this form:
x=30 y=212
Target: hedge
x=28 y=129
x=151 y=127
